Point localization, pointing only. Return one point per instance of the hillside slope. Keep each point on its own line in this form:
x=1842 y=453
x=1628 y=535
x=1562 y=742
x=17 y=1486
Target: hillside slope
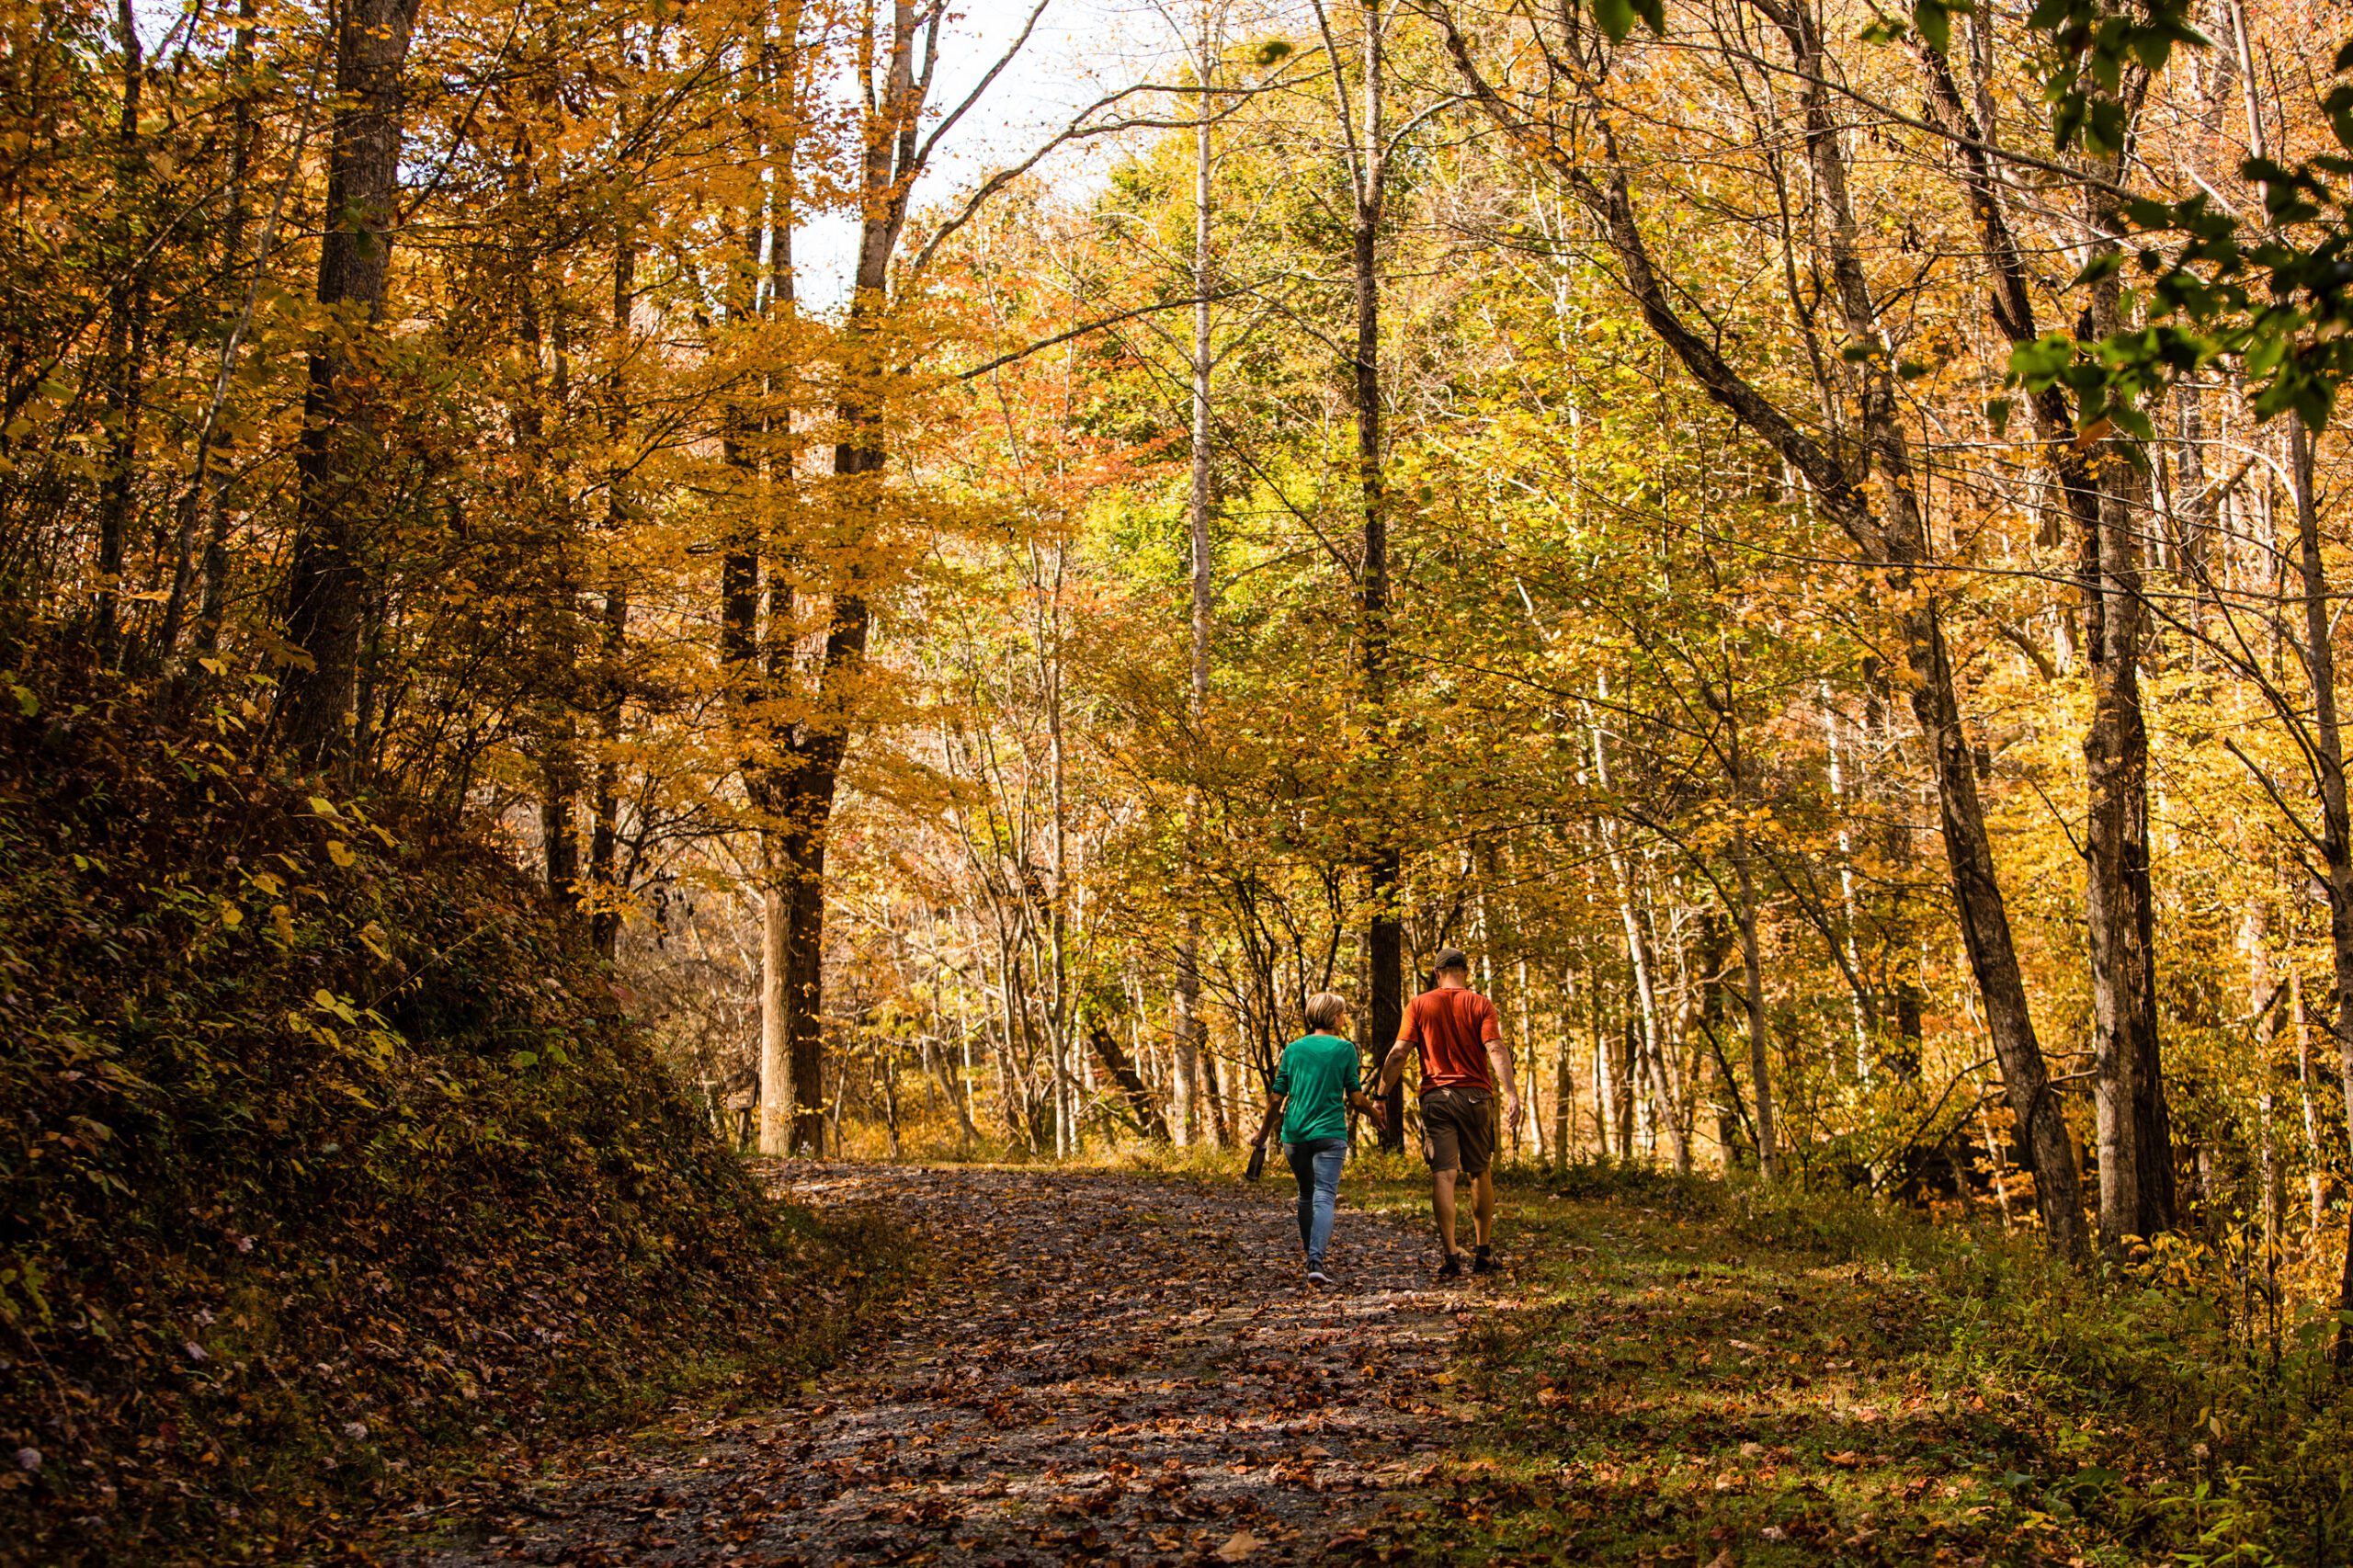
x=327 y=1151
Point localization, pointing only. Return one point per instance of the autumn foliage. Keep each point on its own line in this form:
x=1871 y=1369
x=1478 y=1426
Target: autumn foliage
x=328 y=1156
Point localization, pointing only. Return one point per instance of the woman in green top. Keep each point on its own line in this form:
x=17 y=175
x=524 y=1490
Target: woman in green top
x=1312 y=1090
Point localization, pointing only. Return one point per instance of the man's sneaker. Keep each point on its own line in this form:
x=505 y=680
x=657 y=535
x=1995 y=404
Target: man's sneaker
x=1317 y=1276
x=1482 y=1261
x=1452 y=1268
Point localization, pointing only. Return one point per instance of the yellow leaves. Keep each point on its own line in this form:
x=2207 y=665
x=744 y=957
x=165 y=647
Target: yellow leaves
x=231 y=915
x=340 y=853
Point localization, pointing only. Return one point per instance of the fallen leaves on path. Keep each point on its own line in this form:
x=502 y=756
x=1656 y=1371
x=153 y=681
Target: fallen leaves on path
x=1103 y=1367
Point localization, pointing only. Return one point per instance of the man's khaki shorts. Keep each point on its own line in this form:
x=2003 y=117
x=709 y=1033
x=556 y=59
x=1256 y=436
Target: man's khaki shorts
x=1458 y=1129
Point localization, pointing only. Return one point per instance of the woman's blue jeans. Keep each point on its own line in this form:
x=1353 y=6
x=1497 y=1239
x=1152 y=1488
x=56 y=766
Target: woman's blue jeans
x=1317 y=1164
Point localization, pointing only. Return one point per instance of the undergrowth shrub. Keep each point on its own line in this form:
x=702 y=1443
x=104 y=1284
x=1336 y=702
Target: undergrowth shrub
x=328 y=1151
x=2175 y=1398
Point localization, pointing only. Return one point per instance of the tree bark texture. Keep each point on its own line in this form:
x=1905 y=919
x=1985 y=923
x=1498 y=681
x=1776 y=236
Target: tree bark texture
x=328 y=576
x=1385 y=932
x=2326 y=755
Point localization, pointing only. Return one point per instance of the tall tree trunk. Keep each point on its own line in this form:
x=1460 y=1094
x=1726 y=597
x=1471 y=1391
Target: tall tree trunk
x=327 y=578
x=2263 y=1013
x=1760 y=1061
x=1385 y=936
x=2120 y=906
x=1564 y=1082
x=2103 y=488
x=612 y=696
x=2325 y=752
x=776 y=1045
x=1185 y=1029
x=806 y=795
x=2315 y=1165
x=125 y=350
x=1885 y=522
x=1219 y=1122
x=1186 y=1015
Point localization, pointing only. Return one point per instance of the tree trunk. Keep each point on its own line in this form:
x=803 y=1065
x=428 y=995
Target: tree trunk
x=1123 y=1073
x=1563 y=1083
x=1187 y=1021
x=1385 y=936
x=603 y=831
x=1185 y=1028
x=327 y=579
x=2263 y=1012
x=1761 y=1063
x=1218 y=1124
x=2326 y=755
x=125 y=350
x=2120 y=906
x=2315 y=1165
x=557 y=836
x=204 y=498
x=776 y=1050
x=1625 y=1049
x=804 y=995
x=2103 y=488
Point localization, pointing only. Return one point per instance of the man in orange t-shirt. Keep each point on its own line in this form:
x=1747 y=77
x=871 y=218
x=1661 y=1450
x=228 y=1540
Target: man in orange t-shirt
x=1454 y=1031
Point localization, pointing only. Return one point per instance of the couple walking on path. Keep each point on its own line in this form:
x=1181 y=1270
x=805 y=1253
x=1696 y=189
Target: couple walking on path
x=1453 y=1031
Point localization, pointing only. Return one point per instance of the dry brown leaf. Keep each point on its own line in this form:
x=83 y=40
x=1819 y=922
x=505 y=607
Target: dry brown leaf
x=1240 y=1546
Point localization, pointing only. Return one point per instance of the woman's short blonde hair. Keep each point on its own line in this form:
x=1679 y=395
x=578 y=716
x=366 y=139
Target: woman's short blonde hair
x=1325 y=1010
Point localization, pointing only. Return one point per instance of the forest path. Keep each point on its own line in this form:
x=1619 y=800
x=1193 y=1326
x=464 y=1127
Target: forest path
x=1101 y=1367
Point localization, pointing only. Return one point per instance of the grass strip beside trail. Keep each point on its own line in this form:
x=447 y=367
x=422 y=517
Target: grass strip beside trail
x=1679 y=1373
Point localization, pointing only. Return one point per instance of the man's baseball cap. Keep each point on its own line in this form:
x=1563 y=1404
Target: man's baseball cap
x=1450 y=958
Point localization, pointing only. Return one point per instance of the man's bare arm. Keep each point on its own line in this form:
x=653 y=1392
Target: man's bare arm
x=1393 y=1066
x=1500 y=1054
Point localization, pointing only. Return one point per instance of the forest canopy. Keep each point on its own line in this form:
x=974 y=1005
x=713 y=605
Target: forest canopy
x=1803 y=536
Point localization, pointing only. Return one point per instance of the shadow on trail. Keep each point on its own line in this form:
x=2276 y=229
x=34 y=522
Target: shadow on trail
x=1099 y=1367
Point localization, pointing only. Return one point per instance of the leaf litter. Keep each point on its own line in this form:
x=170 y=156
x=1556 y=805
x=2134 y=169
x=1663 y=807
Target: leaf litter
x=1101 y=1367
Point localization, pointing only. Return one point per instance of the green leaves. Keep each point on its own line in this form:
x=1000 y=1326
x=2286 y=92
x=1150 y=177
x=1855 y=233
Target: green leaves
x=1934 y=20
x=1617 y=18
x=2039 y=363
x=2090 y=46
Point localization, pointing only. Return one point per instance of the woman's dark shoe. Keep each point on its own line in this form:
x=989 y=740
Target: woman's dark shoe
x=1482 y=1261
x=1452 y=1268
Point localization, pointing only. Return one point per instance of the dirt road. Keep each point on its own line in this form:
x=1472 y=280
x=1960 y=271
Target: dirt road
x=1102 y=1368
